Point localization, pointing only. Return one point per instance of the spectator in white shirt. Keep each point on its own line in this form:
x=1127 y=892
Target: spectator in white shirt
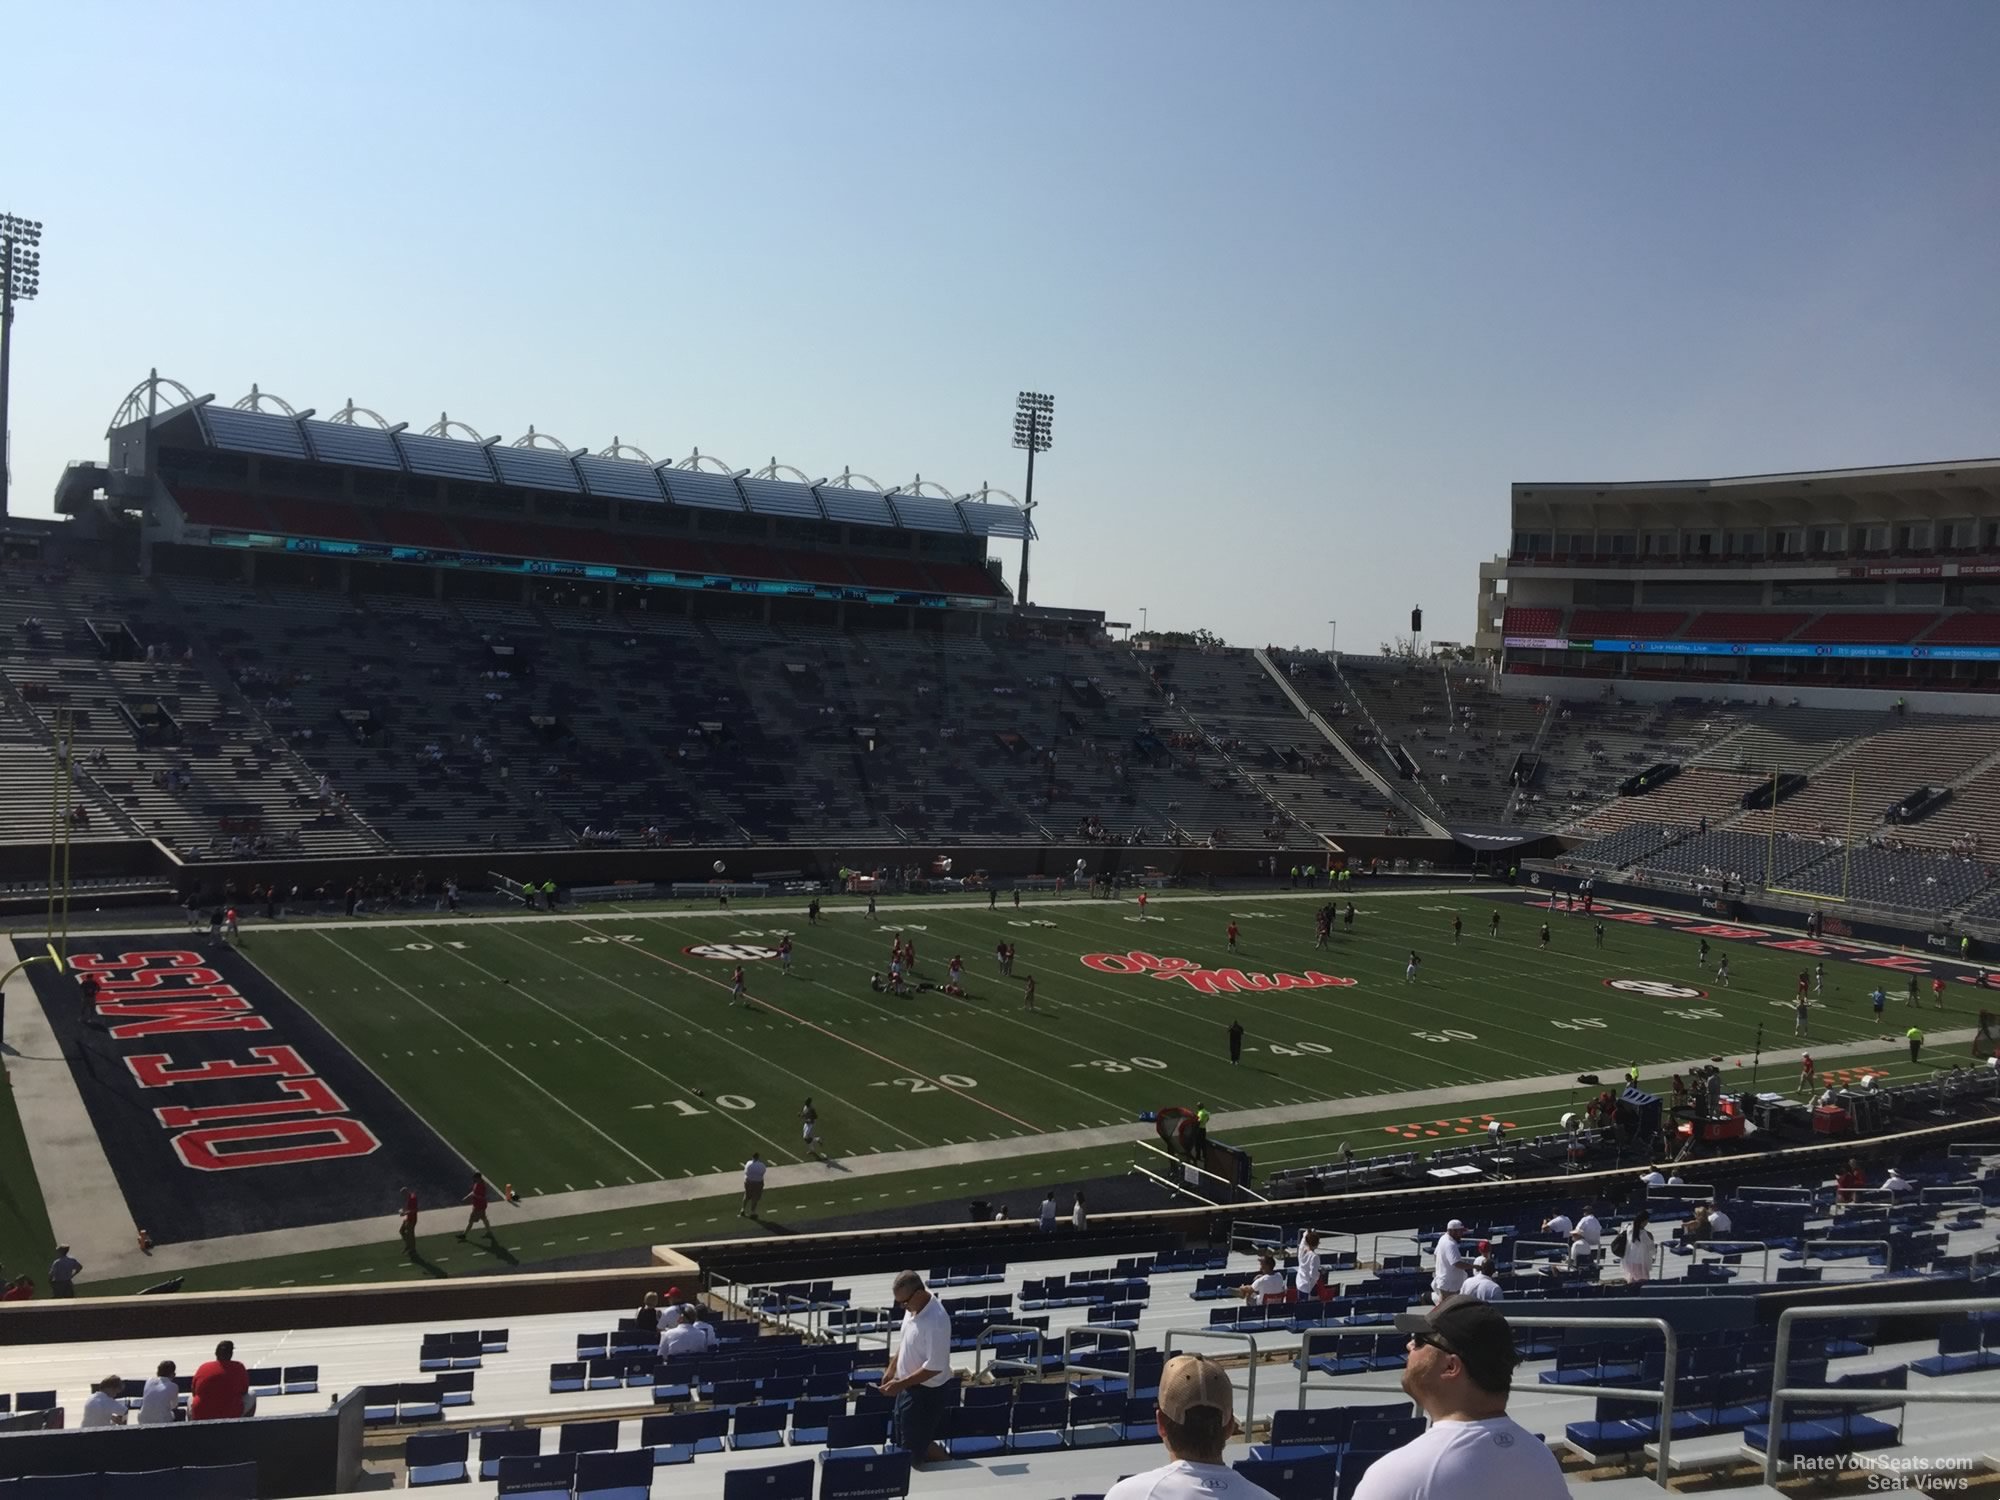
x=161 y=1398
x=1585 y=1238
x=1896 y=1184
x=1448 y=1275
x=104 y=1408
x=684 y=1333
x=1558 y=1226
x=1718 y=1222
x=1459 y=1369
x=1078 y=1219
x=1196 y=1415
x=753 y=1185
x=1049 y=1213
x=1307 y=1277
x=1654 y=1178
x=1480 y=1283
x=921 y=1379
x=1268 y=1286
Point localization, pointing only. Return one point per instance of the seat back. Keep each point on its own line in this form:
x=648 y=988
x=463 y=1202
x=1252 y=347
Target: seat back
x=1299 y=1479
x=974 y=1421
x=509 y=1442
x=436 y=1448
x=761 y=1419
x=546 y=1473
x=223 y=1481
x=865 y=1477
x=793 y=1481
x=587 y=1437
x=614 y=1473
x=862 y=1430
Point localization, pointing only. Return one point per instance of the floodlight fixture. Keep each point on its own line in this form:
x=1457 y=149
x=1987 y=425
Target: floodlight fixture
x=20 y=281
x=1034 y=419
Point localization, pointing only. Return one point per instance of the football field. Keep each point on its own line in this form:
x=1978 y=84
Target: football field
x=566 y=1053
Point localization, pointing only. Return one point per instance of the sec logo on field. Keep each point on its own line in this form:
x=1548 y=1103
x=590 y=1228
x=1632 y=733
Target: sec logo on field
x=730 y=953
x=1656 y=989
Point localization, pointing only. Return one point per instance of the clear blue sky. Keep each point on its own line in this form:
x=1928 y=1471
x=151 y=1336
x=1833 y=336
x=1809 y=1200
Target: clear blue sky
x=1312 y=283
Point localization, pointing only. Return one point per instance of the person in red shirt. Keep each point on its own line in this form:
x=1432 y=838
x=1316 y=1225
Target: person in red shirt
x=477 y=1198
x=1937 y=991
x=20 y=1289
x=1232 y=937
x=409 y=1221
x=1805 y=1071
x=1850 y=1179
x=219 y=1386
x=736 y=986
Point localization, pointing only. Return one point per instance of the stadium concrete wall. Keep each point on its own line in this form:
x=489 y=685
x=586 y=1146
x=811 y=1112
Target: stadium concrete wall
x=1658 y=690
x=315 y=1453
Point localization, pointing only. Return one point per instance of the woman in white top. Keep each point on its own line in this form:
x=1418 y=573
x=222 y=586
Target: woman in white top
x=1637 y=1259
x=1307 y=1277
x=1078 y=1219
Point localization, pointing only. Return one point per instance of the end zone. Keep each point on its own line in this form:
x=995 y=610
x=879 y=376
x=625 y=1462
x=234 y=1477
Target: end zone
x=222 y=1106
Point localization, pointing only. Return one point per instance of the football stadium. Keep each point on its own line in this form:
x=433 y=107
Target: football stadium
x=569 y=971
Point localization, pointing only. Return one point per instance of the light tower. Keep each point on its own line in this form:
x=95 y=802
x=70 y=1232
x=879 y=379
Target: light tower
x=1034 y=416
x=20 y=278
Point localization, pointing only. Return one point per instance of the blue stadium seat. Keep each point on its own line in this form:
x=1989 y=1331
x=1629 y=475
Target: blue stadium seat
x=1300 y=1479
x=454 y=1388
x=759 y=1427
x=548 y=1476
x=873 y=1476
x=810 y=1419
x=565 y=1376
x=144 y=1484
x=222 y=1481
x=498 y=1443
x=437 y=1458
x=865 y=1431
x=265 y=1380
x=974 y=1431
x=614 y=1476
x=793 y=1481
x=301 y=1380
x=59 y=1486
x=587 y=1437
x=676 y=1437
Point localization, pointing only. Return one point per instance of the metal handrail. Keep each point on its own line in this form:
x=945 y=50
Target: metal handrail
x=979 y=1344
x=1663 y=1397
x=1807 y=1250
x=1781 y=1393
x=1924 y=1195
x=1778 y=1195
x=1723 y=1248
x=1375 y=1246
x=1232 y=1336
x=1130 y=1374
x=1238 y=1240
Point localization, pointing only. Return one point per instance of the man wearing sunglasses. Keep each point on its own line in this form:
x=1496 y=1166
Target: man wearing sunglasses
x=921 y=1379
x=1458 y=1369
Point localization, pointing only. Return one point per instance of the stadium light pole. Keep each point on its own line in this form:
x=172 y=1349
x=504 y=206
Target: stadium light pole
x=1034 y=415
x=20 y=277
x=1333 y=637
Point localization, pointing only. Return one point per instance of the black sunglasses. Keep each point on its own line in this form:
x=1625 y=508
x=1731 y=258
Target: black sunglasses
x=1431 y=1340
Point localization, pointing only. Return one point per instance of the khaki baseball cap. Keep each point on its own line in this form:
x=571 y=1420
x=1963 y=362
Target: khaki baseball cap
x=1192 y=1380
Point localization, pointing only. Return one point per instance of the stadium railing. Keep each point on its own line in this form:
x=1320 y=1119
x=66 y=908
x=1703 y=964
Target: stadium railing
x=1782 y=1393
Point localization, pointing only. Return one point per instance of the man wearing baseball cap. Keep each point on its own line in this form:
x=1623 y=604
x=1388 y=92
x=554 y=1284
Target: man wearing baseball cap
x=1197 y=1415
x=1458 y=1369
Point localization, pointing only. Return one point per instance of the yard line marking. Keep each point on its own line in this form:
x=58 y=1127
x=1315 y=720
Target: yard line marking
x=765 y=1061
x=522 y=990
x=905 y=1067
x=526 y=1077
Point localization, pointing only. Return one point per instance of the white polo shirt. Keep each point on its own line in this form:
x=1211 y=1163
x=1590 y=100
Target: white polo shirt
x=1589 y=1230
x=1269 y=1287
x=158 y=1402
x=753 y=1171
x=926 y=1344
x=1186 y=1481
x=102 y=1410
x=1482 y=1286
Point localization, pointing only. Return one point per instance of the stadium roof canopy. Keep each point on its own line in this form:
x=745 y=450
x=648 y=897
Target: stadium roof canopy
x=1892 y=490
x=265 y=426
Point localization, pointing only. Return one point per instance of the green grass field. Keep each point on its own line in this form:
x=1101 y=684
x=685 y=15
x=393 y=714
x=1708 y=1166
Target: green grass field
x=566 y=1053
x=563 y=1055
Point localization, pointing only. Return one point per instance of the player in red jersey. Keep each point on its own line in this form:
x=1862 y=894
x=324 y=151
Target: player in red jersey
x=477 y=1198
x=1142 y=903
x=1807 y=1069
x=1937 y=991
x=1232 y=937
x=409 y=1221
x=785 y=955
x=736 y=986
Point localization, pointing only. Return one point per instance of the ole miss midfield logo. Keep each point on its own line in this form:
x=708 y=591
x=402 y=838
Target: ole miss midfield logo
x=1208 y=981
